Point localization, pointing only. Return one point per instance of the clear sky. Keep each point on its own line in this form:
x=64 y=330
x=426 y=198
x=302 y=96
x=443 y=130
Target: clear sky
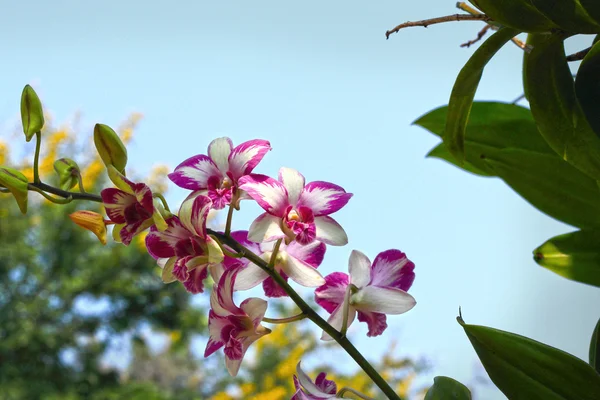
x=336 y=100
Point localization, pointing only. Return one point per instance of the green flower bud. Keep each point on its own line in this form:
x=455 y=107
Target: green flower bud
x=16 y=182
x=110 y=147
x=32 y=114
x=68 y=173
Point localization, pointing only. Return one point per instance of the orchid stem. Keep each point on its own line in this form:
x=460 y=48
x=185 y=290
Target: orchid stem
x=36 y=157
x=360 y=395
x=274 y=254
x=66 y=200
x=80 y=181
x=344 y=328
x=162 y=200
x=63 y=193
x=312 y=315
x=293 y=318
x=229 y=218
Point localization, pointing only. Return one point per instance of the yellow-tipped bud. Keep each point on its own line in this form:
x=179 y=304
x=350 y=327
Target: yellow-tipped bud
x=92 y=221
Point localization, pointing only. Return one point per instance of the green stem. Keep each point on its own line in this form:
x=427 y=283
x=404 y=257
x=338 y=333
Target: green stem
x=162 y=200
x=65 y=194
x=355 y=392
x=54 y=200
x=293 y=318
x=312 y=315
x=80 y=181
x=229 y=219
x=274 y=254
x=344 y=328
x=36 y=157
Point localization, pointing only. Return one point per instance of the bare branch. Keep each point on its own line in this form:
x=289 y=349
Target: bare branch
x=448 y=18
x=480 y=35
x=579 y=55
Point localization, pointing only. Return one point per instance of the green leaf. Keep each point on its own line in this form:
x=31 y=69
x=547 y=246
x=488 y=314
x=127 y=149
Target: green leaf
x=592 y=7
x=110 y=147
x=517 y=14
x=17 y=183
x=464 y=89
x=68 y=173
x=555 y=108
x=568 y=15
x=595 y=348
x=523 y=368
x=574 y=255
x=587 y=87
x=441 y=151
x=549 y=184
x=525 y=58
x=32 y=115
x=445 y=388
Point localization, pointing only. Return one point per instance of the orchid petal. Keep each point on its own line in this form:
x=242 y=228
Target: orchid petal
x=382 y=300
x=273 y=289
x=323 y=198
x=375 y=321
x=129 y=231
x=359 y=267
x=195 y=282
x=265 y=228
x=330 y=232
x=193 y=214
x=233 y=366
x=270 y=194
x=215 y=253
x=302 y=273
x=119 y=180
x=194 y=172
x=254 y=308
x=223 y=295
x=332 y=293
x=392 y=268
x=115 y=202
x=246 y=156
x=216 y=324
x=167 y=270
x=218 y=151
x=308 y=385
x=312 y=253
x=249 y=276
x=162 y=244
x=336 y=319
x=293 y=182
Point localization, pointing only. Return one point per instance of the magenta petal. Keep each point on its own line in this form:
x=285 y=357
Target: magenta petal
x=272 y=289
x=246 y=156
x=164 y=244
x=270 y=194
x=393 y=269
x=195 y=282
x=116 y=202
x=143 y=195
x=332 y=293
x=323 y=198
x=312 y=254
x=194 y=172
x=375 y=321
x=326 y=385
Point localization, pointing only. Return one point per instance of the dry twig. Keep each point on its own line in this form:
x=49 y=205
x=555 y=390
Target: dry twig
x=579 y=55
x=448 y=18
x=480 y=35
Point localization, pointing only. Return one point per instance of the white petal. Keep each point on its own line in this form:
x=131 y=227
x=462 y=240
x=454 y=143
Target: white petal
x=254 y=308
x=249 y=276
x=336 y=319
x=233 y=366
x=330 y=232
x=387 y=301
x=302 y=273
x=309 y=385
x=359 y=267
x=265 y=228
x=293 y=182
x=219 y=150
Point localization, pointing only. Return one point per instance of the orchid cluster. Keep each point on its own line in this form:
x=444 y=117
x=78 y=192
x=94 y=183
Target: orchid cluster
x=287 y=242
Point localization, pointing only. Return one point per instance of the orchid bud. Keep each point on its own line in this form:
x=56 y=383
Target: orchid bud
x=92 y=221
x=68 y=173
x=111 y=149
x=32 y=114
x=17 y=183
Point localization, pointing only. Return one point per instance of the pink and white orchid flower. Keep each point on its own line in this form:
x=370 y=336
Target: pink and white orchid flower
x=371 y=291
x=232 y=327
x=130 y=206
x=306 y=389
x=295 y=210
x=216 y=175
x=188 y=253
x=295 y=261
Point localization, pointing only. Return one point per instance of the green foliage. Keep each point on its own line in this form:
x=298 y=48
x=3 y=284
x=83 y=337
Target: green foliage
x=32 y=115
x=568 y=14
x=592 y=7
x=525 y=369
x=595 y=348
x=464 y=89
x=574 y=255
x=587 y=87
x=517 y=14
x=445 y=388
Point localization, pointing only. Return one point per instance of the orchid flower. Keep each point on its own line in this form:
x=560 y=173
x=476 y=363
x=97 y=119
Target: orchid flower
x=306 y=389
x=295 y=210
x=130 y=206
x=294 y=261
x=187 y=252
x=216 y=175
x=371 y=291
x=232 y=327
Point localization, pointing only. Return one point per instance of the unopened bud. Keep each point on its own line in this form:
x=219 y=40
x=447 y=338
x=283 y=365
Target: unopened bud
x=17 y=183
x=92 y=221
x=110 y=147
x=32 y=114
x=68 y=173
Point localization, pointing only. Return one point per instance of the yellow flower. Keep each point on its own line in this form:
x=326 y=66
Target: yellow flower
x=92 y=221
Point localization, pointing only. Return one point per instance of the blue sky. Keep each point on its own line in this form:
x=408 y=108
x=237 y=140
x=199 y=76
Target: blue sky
x=336 y=100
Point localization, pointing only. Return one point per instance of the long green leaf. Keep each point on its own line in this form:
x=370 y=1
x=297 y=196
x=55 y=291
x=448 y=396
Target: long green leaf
x=555 y=107
x=525 y=369
x=595 y=348
x=587 y=87
x=574 y=255
x=592 y=7
x=568 y=15
x=517 y=14
x=441 y=151
x=464 y=90
x=445 y=388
